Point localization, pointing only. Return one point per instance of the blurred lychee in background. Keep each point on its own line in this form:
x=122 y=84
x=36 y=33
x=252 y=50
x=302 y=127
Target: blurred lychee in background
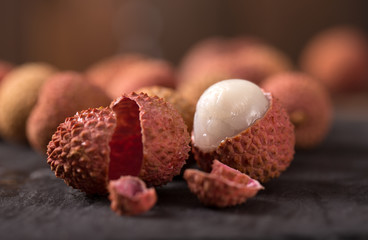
x=123 y=46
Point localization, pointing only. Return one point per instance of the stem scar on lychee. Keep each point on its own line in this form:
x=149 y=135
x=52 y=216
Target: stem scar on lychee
x=244 y=127
x=138 y=135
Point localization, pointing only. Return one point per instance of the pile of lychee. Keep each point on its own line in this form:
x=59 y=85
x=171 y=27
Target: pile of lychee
x=129 y=123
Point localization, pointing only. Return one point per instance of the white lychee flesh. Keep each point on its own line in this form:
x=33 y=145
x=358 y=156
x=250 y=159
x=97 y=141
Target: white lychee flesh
x=225 y=109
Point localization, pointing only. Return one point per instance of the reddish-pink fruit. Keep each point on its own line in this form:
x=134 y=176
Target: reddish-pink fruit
x=222 y=187
x=215 y=59
x=102 y=72
x=130 y=196
x=5 y=67
x=144 y=73
x=62 y=95
x=138 y=136
x=308 y=104
x=172 y=96
x=263 y=150
x=338 y=57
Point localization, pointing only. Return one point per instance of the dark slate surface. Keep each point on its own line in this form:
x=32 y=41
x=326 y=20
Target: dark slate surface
x=324 y=195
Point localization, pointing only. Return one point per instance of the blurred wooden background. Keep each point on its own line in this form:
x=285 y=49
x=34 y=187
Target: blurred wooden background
x=72 y=34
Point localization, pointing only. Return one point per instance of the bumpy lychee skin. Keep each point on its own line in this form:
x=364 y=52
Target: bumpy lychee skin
x=222 y=187
x=165 y=137
x=18 y=95
x=263 y=150
x=338 y=57
x=79 y=151
x=216 y=59
x=60 y=97
x=144 y=73
x=172 y=96
x=308 y=104
x=130 y=196
x=138 y=136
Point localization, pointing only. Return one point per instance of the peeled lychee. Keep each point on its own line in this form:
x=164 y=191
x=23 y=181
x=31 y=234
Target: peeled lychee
x=172 y=96
x=216 y=59
x=62 y=95
x=18 y=95
x=244 y=128
x=130 y=196
x=140 y=74
x=338 y=57
x=102 y=72
x=138 y=135
x=308 y=104
x=222 y=187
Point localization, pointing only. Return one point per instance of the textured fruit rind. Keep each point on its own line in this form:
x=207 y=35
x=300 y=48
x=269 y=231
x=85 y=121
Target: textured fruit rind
x=303 y=95
x=262 y=151
x=78 y=151
x=132 y=198
x=223 y=187
x=62 y=95
x=172 y=96
x=165 y=138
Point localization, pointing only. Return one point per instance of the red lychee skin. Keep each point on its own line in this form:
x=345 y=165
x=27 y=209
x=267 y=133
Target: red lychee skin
x=145 y=73
x=308 y=104
x=5 y=67
x=236 y=58
x=262 y=151
x=130 y=196
x=102 y=72
x=223 y=187
x=338 y=57
x=138 y=135
x=62 y=95
x=205 y=55
x=164 y=136
x=78 y=152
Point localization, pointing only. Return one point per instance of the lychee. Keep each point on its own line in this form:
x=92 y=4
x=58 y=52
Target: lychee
x=307 y=102
x=140 y=74
x=18 y=95
x=5 y=68
x=244 y=128
x=130 y=196
x=62 y=95
x=102 y=72
x=216 y=59
x=338 y=57
x=222 y=187
x=172 y=96
x=138 y=135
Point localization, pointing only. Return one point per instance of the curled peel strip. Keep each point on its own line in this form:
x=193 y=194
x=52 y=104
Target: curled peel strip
x=222 y=187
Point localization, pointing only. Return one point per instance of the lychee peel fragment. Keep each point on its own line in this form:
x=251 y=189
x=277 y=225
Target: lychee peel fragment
x=222 y=187
x=138 y=135
x=130 y=196
x=262 y=151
